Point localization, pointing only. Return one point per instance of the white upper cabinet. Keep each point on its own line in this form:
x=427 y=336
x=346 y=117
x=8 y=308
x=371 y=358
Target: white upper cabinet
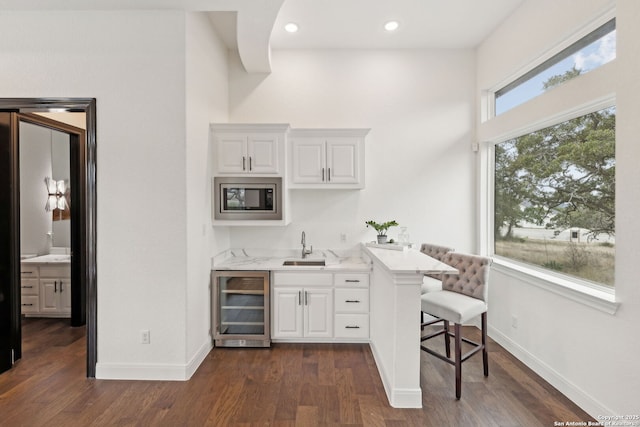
x=327 y=158
x=249 y=149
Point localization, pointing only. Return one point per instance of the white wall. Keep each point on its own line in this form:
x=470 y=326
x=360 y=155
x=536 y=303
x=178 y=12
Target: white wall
x=207 y=102
x=133 y=63
x=587 y=354
x=419 y=105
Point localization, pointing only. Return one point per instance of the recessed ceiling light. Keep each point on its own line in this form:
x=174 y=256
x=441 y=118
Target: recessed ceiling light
x=291 y=27
x=391 y=25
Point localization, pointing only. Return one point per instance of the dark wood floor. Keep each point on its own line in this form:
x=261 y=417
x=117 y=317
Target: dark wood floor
x=288 y=384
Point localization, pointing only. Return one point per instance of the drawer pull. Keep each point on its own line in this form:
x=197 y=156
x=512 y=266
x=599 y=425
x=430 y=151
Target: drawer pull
x=352 y=281
x=352 y=300
x=352 y=327
x=27 y=305
x=27 y=272
x=27 y=287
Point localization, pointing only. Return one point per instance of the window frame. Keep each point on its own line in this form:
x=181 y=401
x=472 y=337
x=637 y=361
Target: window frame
x=600 y=297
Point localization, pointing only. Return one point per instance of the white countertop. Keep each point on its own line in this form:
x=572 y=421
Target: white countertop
x=48 y=259
x=272 y=260
x=408 y=261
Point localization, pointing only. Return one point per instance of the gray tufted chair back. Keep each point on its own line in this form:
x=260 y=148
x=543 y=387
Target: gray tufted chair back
x=437 y=252
x=473 y=276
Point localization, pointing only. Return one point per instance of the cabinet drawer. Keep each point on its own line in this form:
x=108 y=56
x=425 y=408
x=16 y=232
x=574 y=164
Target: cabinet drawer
x=29 y=287
x=352 y=279
x=302 y=279
x=352 y=326
x=351 y=300
x=55 y=271
x=29 y=270
x=29 y=304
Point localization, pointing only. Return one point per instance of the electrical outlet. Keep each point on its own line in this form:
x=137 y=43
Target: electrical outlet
x=514 y=322
x=145 y=336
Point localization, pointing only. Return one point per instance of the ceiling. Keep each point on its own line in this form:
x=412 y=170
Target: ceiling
x=359 y=23
x=253 y=27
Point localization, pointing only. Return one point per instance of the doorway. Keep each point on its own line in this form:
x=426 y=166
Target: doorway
x=83 y=226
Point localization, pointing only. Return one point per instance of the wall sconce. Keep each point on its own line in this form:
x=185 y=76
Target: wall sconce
x=56 y=198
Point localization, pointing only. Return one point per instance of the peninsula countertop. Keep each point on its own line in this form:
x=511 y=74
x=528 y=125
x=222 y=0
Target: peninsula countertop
x=408 y=261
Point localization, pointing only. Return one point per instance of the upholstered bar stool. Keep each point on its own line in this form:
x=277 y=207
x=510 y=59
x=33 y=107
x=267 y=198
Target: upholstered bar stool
x=433 y=282
x=463 y=297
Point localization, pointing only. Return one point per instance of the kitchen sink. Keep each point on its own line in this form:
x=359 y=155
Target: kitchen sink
x=301 y=263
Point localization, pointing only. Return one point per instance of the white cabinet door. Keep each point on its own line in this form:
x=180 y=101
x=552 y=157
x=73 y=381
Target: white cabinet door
x=263 y=154
x=342 y=161
x=318 y=312
x=231 y=153
x=327 y=158
x=49 y=295
x=249 y=149
x=309 y=161
x=287 y=312
x=64 y=296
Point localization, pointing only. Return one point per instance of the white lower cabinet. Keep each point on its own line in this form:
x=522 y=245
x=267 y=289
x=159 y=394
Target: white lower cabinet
x=302 y=305
x=45 y=290
x=320 y=306
x=55 y=296
x=352 y=306
x=30 y=296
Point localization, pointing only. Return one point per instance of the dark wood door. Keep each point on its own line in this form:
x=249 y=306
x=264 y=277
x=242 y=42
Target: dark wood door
x=10 y=339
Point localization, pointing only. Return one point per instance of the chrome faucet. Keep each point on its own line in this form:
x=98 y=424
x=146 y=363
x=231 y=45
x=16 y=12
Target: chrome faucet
x=305 y=252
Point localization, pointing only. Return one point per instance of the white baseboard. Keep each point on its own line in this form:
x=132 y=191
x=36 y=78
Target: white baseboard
x=199 y=357
x=156 y=372
x=588 y=403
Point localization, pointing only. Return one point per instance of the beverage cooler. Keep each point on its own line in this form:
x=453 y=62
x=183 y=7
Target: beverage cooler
x=240 y=308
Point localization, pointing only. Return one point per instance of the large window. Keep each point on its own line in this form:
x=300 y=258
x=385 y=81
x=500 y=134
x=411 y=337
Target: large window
x=555 y=197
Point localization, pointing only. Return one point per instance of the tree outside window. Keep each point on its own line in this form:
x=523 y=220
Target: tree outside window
x=555 y=197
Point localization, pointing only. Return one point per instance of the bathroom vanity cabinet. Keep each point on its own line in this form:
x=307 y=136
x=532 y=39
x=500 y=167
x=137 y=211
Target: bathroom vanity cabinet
x=46 y=289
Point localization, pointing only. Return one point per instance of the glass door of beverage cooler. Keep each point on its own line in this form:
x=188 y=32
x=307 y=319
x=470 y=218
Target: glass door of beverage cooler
x=241 y=309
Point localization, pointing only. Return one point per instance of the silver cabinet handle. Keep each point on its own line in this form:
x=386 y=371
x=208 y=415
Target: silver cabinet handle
x=352 y=327
x=250 y=163
x=305 y=298
x=352 y=281
x=61 y=289
x=329 y=174
x=244 y=159
x=299 y=297
x=352 y=300
x=323 y=174
x=55 y=287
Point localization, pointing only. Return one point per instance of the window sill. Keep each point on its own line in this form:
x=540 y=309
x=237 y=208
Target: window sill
x=600 y=299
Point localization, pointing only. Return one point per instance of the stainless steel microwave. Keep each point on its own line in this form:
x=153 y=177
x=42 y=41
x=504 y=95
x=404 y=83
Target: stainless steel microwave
x=245 y=198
